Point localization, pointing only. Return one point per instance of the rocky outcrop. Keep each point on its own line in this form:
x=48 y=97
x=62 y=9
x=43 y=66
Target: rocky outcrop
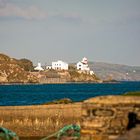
x=12 y=71
x=75 y=76
x=64 y=76
x=110 y=115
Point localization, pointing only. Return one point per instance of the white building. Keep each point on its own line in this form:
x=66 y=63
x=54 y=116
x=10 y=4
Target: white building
x=59 y=65
x=39 y=68
x=48 y=67
x=83 y=65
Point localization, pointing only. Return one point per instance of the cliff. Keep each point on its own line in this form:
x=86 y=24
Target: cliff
x=62 y=76
x=15 y=71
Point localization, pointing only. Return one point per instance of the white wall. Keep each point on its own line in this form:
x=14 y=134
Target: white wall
x=59 y=65
x=83 y=67
x=39 y=68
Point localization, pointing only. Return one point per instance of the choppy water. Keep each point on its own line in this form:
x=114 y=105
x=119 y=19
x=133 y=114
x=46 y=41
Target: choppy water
x=39 y=94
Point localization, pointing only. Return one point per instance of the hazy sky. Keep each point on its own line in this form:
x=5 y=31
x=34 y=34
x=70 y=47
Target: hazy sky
x=49 y=30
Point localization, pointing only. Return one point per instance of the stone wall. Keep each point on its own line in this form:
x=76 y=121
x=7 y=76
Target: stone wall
x=110 y=115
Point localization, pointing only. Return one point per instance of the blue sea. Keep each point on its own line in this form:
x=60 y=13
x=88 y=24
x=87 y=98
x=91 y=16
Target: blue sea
x=12 y=95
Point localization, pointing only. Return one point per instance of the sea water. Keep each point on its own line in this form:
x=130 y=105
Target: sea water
x=34 y=94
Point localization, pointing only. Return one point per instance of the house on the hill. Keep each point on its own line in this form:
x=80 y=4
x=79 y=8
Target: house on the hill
x=59 y=65
x=38 y=67
x=48 y=67
x=82 y=66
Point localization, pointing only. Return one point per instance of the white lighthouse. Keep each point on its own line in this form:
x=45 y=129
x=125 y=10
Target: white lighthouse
x=83 y=65
x=39 y=68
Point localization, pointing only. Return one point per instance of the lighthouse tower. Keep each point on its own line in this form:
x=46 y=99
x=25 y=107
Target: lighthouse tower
x=84 y=60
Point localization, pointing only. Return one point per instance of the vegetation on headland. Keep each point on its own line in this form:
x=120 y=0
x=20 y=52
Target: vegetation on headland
x=80 y=76
x=16 y=71
x=75 y=76
x=133 y=93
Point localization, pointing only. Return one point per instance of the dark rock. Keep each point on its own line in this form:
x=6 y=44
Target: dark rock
x=61 y=101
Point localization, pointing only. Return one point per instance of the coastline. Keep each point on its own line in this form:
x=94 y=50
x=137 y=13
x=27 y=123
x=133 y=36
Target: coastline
x=80 y=82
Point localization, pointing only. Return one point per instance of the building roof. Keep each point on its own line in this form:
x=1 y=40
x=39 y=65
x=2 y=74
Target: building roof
x=84 y=60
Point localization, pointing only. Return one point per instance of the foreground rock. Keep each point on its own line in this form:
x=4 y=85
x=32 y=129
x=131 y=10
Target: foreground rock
x=110 y=115
x=133 y=134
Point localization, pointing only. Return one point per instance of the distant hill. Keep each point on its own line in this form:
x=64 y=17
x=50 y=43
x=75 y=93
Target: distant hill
x=107 y=71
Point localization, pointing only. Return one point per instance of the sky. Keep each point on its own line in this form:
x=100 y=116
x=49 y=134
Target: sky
x=49 y=30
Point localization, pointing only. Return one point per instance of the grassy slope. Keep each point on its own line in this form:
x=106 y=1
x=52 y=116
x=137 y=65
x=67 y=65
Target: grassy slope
x=40 y=120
